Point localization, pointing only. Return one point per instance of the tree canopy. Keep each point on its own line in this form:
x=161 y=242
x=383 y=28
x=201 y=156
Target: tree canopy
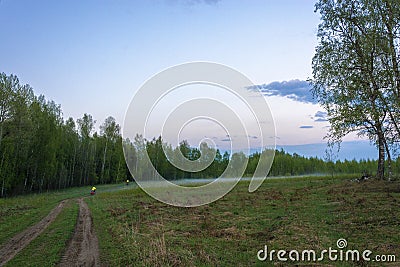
x=41 y=151
x=356 y=75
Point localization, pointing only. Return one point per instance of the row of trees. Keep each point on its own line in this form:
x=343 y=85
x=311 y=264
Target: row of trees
x=284 y=164
x=40 y=151
x=356 y=74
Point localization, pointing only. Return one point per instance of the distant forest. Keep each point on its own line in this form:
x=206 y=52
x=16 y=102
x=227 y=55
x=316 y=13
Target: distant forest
x=284 y=164
x=40 y=151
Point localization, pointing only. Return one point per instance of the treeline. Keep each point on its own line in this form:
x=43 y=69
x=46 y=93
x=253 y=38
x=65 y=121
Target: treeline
x=284 y=164
x=287 y=164
x=39 y=150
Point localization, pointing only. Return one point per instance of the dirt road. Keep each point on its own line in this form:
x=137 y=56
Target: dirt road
x=21 y=240
x=83 y=249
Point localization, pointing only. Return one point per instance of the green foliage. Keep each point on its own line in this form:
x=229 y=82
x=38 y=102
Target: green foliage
x=284 y=164
x=39 y=151
x=356 y=74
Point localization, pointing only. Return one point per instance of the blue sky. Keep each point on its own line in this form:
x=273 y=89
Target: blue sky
x=91 y=56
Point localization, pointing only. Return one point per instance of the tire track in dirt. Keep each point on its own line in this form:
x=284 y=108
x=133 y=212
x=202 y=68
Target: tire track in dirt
x=21 y=240
x=83 y=248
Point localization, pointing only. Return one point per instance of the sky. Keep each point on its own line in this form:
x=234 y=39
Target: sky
x=92 y=56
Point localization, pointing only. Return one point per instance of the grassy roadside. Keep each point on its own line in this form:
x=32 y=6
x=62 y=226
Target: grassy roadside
x=47 y=248
x=297 y=213
x=16 y=214
x=19 y=213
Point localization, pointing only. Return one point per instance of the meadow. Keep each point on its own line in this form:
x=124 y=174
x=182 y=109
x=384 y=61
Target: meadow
x=307 y=213
x=294 y=213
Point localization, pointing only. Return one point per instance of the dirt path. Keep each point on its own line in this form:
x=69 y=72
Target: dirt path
x=83 y=249
x=21 y=240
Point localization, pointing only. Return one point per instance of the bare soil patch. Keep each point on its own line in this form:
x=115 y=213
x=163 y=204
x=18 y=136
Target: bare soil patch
x=83 y=248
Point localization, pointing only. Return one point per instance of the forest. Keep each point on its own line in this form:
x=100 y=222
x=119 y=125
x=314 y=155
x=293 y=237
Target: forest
x=284 y=164
x=42 y=151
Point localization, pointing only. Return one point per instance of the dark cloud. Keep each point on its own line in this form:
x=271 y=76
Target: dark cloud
x=306 y=127
x=294 y=89
x=252 y=136
x=321 y=116
x=226 y=140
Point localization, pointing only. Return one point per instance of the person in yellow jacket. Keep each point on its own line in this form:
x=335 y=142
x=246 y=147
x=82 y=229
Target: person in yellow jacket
x=93 y=191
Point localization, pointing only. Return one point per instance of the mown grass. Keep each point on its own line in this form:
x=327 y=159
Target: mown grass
x=47 y=248
x=298 y=213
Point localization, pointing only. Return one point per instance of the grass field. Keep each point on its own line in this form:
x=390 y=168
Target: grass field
x=295 y=213
x=47 y=248
x=301 y=213
x=18 y=213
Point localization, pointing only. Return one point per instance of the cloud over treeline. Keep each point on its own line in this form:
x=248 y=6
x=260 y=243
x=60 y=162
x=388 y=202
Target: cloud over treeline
x=297 y=90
